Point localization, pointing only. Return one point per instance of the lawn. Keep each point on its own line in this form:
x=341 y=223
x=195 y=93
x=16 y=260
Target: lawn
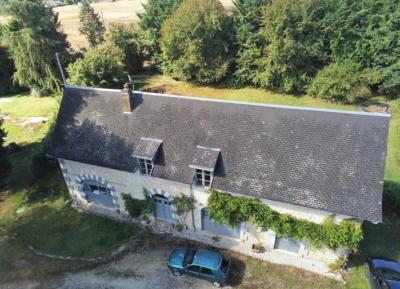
x=49 y=224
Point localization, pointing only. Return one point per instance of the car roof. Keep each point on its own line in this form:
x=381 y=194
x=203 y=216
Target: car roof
x=385 y=264
x=208 y=259
x=393 y=284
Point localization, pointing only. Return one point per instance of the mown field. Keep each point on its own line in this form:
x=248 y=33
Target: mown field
x=120 y=11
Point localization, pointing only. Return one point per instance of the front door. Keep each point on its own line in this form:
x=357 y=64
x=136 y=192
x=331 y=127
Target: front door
x=163 y=210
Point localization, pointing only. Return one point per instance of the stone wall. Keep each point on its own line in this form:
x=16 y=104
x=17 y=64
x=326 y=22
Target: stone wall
x=120 y=182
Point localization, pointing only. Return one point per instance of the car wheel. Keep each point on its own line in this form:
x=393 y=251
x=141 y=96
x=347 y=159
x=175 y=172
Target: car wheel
x=217 y=284
x=176 y=273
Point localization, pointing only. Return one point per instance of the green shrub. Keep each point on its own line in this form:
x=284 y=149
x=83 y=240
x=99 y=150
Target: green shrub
x=101 y=66
x=341 y=82
x=195 y=42
x=136 y=207
x=231 y=210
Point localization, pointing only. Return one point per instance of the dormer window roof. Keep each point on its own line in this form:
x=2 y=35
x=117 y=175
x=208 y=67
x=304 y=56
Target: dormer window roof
x=204 y=163
x=147 y=148
x=146 y=154
x=205 y=158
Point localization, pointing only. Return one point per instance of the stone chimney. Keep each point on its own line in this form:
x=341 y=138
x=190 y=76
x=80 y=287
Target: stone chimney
x=127 y=97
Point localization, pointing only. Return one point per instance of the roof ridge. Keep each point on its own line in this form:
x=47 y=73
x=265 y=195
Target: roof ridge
x=293 y=107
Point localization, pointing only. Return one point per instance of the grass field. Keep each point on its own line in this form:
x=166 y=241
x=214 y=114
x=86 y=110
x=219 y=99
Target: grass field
x=120 y=11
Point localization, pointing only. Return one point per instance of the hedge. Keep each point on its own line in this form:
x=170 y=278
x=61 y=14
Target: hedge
x=232 y=210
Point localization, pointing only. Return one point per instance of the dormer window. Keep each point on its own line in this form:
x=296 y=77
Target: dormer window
x=203 y=177
x=146 y=166
x=204 y=163
x=146 y=154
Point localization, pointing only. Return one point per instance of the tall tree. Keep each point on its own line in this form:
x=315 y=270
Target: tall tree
x=368 y=33
x=195 y=42
x=294 y=47
x=129 y=39
x=246 y=18
x=151 y=20
x=5 y=166
x=91 y=25
x=32 y=37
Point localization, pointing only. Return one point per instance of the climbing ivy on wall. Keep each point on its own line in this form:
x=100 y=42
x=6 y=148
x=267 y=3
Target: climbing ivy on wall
x=232 y=210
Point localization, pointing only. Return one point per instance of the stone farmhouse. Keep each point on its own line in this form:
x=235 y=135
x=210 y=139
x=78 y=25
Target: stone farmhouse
x=307 y=162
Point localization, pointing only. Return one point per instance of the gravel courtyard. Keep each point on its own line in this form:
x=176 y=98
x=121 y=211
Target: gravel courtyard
x=141 y=270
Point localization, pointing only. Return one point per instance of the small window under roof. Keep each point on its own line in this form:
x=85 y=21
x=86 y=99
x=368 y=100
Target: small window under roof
x=147 y=148
x=205 y=158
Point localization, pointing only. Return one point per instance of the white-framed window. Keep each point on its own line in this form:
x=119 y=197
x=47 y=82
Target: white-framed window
x=287 y=244
x=203 y=177
x=146 y=166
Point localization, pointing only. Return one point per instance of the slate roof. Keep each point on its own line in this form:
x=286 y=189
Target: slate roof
x=205 y=158
x=322 y=159
x=147 y=148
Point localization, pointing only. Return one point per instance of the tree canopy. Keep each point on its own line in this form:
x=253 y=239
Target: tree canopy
x=91 y=25
x=294 y=47
x=151 y=20
x=246 y=20
x=129 y=39
x=101 y=66
x=195 y=42
x=368 y=33
x=32 y=38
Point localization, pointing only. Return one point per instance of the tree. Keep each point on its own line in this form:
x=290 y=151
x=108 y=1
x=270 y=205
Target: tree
x=195 y=42
x=151 y=20
x=5 y=166
x=183 y=204
x=32 y=38
x=91 y=25
x=101 y=66
x=367 y=32
x=246 y=18
x=342 y=82
x=129 y=39
x=294 y=47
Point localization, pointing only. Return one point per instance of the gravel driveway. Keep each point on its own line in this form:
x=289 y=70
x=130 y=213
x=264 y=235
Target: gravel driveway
x=143 y=268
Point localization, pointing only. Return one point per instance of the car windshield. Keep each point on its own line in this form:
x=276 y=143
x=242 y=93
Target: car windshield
x=225 y=265
x=189 y=256
x=389 y=274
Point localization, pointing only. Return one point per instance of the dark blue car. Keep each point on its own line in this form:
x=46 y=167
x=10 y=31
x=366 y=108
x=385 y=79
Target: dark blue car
x=383 y=273
x=200 y=263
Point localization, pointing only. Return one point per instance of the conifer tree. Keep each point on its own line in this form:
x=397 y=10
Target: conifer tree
x=246 y=18
x=32 y=38
x=91 y=25
x=151 y=20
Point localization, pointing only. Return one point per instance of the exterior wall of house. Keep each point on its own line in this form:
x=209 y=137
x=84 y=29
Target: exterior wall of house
x=120 y=182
